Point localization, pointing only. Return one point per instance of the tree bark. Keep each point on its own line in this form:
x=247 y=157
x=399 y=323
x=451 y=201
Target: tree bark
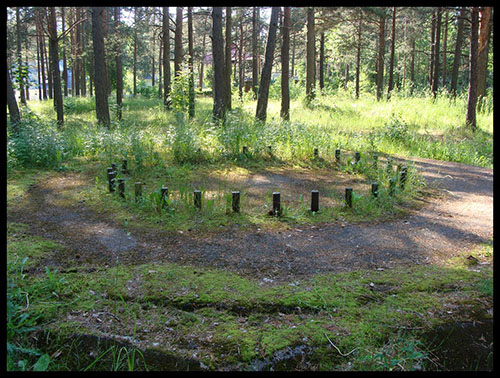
x=219 y=107
x=178 y=42
x=191 y=106
x=118 y=63
x=240 y=62
x=166 y=58
x=265 y=80
x=380 y=57
x=431 y=56
x=390 y=84
x=54 y=57
x=65 y=62
x=202 y=62
x=42 y=59
x=12 y=105
x=310 y=55
x=322 y=61
x=435 y=75
x=101 y=96
x=472 y=98
x=358 y=54
x=285 y=65
x=458 y=51
x=227 y=65
x=482 y=50
x=136 y=20
x=38 y=68
x=255 y=72
x=445 y=43
x=20 y=82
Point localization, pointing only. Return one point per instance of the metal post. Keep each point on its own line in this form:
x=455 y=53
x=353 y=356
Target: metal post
x=392 y=183
x=236 y=202
x=197 y=199
x=375 y=189
x=348 y=196
x=164 y=195
x=315 y=200
x=124 y=166
x=121 y=187
x=402 y=180
x=276 y=204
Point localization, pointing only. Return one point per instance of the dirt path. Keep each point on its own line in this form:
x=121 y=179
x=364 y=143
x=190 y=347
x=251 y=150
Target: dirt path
x=453 y=222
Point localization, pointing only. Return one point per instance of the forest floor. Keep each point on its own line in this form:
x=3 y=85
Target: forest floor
x=456 y=220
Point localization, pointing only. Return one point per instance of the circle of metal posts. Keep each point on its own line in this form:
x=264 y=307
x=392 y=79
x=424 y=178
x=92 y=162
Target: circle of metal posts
x=121 y=187
x=375 y=189
x=276 y=204
x=236 y=202
x=392 y=185
x=402 y=180
x=314 y=200
x=164 y=196
x=138 y=190
x=348 y=196
x=197 y=199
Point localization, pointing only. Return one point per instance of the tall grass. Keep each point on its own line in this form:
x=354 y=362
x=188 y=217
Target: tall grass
x=412 y=126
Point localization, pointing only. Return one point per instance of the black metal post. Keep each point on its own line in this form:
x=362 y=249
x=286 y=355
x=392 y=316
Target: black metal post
x=236 y=202
x=315 y=200
x=348 y=196
x=197 y=199
x=276 y=204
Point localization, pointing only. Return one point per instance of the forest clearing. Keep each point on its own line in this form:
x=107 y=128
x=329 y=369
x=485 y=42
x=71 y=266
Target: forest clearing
x=179 y=206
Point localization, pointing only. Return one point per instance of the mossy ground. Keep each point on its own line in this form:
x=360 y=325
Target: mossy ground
x=226 y=320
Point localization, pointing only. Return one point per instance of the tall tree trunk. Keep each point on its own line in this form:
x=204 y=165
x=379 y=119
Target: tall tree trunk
x=472 y=99
x=380 y=57
x=219 y=108
x=458 y=51
x=265 y=79
x=54 y=57
x=118 y=63
x=435 y=78
x=322 y=60
x=178 y=42
x=191 y=108
x=12 y=104
x=445 y=45
x=255 y=51
x=136 y=20
x=293 y=55
x=65 y=62
x=310 y=54
x=482 y=50
x=346 y=77
x=101 y=95
x=83 y=75
x=431 y=56
x=19 y=58
x=153 y=42
x=240 y=62
x=160 y=78
x=227 y=59
x=27 y=66
x=390 y=84
x=412 y=61
x=285 y=66
x=78 y=52
x=166 y=58
x=358 y=53
x=38 y=67
x=42 y=57
x=202 y=62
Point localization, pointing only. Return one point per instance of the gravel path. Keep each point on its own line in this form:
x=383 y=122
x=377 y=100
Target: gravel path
x=444 y=226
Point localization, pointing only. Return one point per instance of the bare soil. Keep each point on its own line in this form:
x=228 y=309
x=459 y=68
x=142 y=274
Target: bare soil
x=456 y=220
